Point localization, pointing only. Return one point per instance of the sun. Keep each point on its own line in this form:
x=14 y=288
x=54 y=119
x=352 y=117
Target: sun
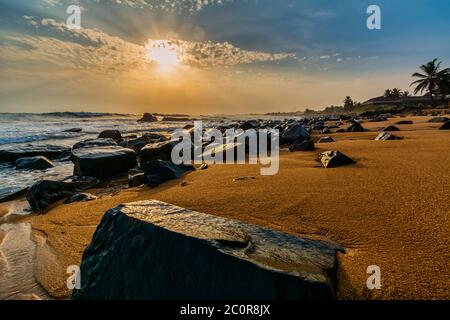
x=165 y=53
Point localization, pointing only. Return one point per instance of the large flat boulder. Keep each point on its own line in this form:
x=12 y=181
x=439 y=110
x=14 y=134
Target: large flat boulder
x=103 y=162
x=12 y=153
x=151 y=250
x=94 y=143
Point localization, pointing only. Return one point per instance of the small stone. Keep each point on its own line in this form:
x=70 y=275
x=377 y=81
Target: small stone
x=333 y=159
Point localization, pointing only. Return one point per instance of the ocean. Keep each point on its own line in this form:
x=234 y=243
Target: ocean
x=18 y=129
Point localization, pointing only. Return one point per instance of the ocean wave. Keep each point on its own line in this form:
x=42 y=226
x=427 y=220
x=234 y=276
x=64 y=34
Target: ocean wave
x=65 y=114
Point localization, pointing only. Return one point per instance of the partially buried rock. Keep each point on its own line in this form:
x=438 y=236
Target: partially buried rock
x=332 y=159
x=33 y=163
x=325 y=140
x=355 y=127
x=158 y=172
x=112 y=134
x=383 y=136
x=103 y=162
x=403 y=122
x=303 y=146
x=73 y=130
x=157 y=251
x=445 y=126
x=44 y=193
x=12 y=153
x=148 y=117
x=391 y=128
x=136 y=178
x=439 y=120
x=80 y=197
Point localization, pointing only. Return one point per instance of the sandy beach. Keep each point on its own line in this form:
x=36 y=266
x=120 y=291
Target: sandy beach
x=389 y=209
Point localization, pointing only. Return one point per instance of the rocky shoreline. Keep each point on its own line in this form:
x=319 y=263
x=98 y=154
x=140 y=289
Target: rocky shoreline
x=112 y=164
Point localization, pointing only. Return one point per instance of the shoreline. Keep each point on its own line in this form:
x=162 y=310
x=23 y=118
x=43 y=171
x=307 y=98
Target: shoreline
x=389 y=209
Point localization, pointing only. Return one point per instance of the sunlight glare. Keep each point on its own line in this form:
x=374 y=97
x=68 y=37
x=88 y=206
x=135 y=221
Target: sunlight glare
x=165 y=53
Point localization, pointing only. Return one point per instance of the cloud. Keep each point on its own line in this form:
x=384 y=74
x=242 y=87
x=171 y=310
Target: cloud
x=96 y=51
x=163 y=5
x=210 y=54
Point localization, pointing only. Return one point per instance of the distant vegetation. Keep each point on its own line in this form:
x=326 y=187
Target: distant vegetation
x=433 y=82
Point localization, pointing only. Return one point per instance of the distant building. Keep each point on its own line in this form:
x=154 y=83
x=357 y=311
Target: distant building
x=414 y=100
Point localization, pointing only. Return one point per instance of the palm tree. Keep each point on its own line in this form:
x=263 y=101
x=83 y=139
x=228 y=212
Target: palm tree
x=444 y=83
x=396 y=93
x=429 y=79
x=405 y=94
x=388 y=93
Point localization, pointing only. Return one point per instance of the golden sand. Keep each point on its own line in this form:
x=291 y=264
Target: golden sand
x=391 y=209
x=3 y=210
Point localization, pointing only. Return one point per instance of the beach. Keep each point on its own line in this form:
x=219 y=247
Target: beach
x=390 y=209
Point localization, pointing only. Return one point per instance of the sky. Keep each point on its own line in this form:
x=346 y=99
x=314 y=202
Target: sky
x=211 y=56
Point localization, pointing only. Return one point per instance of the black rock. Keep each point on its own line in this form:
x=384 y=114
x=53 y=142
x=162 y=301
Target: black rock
x=83 y=183
x=439 y=120
x=402 y=122
x=325 y=140
x=94 y=143
x=44 y=193
x=158 y=172
x=391 y=128
x=383 y=136
x=136 y=178
x=73 y=130
x=147 y=117
x=33 y=163
x=294 y=132
x=356 y=127
x=250 y=124
x=303 y=146
x=332 y=159
x=445 y=126
x=80 y=197
x=157 y=151
x=11 y=193
x=140 y=142
x=111 y=134
x=103 y=162
x=157 y=251
x=12 y=153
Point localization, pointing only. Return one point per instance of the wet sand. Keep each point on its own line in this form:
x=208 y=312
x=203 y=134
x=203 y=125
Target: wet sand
x=390 y=209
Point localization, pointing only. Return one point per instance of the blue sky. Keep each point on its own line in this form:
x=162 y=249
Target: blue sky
x=241 y=55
